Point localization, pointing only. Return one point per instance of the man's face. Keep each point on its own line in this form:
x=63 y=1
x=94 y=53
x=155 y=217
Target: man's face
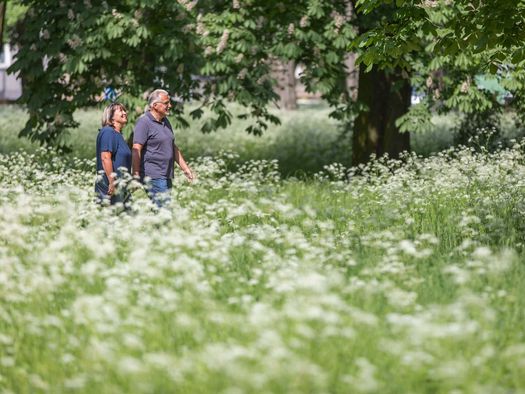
x=163 y=106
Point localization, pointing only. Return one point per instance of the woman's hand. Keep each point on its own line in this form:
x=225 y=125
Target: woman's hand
x=111 y=187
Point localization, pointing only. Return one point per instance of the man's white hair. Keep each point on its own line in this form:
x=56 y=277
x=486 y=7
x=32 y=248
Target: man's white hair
x=154 y=96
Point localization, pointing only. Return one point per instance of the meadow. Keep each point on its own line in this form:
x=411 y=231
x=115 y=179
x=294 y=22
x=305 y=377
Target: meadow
x=396 y=277
x=303 y=144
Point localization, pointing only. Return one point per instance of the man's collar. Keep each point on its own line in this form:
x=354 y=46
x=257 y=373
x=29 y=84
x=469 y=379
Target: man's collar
x=150 y=115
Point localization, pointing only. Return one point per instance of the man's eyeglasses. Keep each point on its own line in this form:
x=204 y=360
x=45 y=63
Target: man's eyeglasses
x=164 y=102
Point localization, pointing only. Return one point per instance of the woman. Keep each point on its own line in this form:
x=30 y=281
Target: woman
x=113 y=155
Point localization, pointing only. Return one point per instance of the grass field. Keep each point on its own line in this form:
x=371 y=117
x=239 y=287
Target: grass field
x=304 y=143
x=405 y=279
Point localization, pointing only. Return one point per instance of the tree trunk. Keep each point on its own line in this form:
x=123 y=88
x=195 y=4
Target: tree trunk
x=352 y=77
x=284 y=74
x=386 y=95
x=3 y=6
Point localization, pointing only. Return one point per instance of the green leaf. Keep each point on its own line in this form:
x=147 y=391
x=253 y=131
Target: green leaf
x=197 y=113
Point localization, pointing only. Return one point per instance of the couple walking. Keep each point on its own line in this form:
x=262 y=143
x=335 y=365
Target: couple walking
x=151 y=158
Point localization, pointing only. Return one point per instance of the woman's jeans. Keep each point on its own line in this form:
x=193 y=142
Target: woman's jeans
x=159 y=190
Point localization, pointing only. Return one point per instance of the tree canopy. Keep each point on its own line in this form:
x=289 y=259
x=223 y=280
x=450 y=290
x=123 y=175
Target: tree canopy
x=445 y=44
x=213 y=51
x=219 y=51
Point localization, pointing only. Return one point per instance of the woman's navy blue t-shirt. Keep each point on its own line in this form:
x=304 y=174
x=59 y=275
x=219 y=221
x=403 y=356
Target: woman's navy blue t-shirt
x=110 y=140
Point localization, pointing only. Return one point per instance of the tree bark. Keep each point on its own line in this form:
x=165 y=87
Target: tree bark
x=284 y=73
x=352 y=78
x=3 y=6
x=386 y=94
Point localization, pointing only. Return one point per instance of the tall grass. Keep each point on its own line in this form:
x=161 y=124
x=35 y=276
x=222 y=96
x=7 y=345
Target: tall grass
x=306 y=140
x=304 y=143
x=407 y=278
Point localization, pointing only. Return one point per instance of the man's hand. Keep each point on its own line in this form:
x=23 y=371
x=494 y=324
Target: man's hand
x=179 y=159
x=189 y=175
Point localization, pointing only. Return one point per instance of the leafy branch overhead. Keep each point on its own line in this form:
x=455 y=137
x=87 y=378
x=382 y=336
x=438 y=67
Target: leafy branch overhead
x=445 y=45
x=216 y=52
x=211 y=51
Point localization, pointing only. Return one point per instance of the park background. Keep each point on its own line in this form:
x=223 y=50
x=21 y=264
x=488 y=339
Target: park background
x=372 y=242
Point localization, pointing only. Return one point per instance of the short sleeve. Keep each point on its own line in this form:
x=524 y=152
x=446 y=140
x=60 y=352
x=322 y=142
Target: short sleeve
x=140 y=133
x=107 y=142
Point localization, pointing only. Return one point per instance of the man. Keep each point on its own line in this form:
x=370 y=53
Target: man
x=154 y=151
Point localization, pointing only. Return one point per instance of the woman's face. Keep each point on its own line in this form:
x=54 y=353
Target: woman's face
x=120 y=116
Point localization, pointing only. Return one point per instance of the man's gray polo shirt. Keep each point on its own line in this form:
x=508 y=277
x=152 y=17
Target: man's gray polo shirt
x=157 y=140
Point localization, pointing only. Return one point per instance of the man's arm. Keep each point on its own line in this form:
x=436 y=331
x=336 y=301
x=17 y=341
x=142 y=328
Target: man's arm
x=140 y=138
x=107 y=165
x=179 y=159
x=135 y=159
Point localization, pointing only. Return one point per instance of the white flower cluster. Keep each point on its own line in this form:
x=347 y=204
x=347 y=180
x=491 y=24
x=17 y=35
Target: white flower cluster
x=223 y=41
x=253 y=283
x=188 y=4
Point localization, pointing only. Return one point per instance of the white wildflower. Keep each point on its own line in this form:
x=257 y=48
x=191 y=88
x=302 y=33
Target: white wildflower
x=223 y=42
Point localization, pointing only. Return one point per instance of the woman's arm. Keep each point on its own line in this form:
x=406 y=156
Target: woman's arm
x=107 y=164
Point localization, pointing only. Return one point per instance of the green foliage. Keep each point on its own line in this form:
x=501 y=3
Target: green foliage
x=417 y=119
x=446 y=45
x=212 y=51
x=307 y=139
x=480 y=130
x=14 y=12
x=217 y=52
x=408 y=279
x=69 y=52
